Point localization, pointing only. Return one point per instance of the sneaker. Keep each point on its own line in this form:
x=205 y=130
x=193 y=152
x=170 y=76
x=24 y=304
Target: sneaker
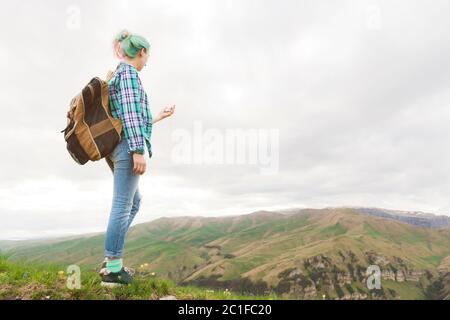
x=103 y=269
x=113 y=279
x=130 y=271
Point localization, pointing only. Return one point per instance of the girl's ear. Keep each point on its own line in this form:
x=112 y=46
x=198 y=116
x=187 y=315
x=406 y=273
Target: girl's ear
x=142 y=52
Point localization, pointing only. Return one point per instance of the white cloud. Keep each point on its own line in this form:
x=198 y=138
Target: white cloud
x=362 y=112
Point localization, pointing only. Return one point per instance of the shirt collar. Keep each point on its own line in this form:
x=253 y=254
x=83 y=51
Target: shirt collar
x=127 y=64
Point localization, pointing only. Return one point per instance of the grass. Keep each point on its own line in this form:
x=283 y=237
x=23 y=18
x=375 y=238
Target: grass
x=414 y=238
x=333 y=231
x=404 y=290
x=371 y=231
x=434 y=259
x=239 y=266
x=39 y=281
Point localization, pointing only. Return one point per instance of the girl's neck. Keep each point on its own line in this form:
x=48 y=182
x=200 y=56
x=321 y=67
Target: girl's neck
x=130 y=62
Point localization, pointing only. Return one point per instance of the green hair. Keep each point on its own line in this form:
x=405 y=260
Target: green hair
x=130 y=44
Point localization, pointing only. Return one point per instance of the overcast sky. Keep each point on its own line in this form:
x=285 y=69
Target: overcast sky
x=357 y=92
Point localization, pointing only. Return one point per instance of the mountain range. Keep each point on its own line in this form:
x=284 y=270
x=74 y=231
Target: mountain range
x=296 y=253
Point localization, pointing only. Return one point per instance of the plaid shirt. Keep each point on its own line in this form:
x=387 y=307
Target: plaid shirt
x=128 y=101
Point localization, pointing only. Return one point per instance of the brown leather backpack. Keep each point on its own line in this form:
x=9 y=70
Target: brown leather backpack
x=92 y=132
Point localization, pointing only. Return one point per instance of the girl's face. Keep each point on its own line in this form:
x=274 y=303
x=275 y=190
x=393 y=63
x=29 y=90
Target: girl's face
x=142 y=59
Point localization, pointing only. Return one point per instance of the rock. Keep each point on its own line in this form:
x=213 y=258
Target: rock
x=359 y=296
x=294 y=273
x=310 y=291
x=377 y=259
x=168 y=298
x=347 y=297
x=413 y=275
x=344 y=278
x=388 y=275
x=320 y=261
x=154 y=296
x=328 y=284
x=399 y=276
x=304 y=288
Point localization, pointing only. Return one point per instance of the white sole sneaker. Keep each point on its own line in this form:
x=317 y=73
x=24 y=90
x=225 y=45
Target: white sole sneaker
x=111 y=284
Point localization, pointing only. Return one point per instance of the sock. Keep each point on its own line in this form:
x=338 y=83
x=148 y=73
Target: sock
x=114 y=265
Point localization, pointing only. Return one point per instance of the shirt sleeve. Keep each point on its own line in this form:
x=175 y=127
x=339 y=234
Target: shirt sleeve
x=132 y=121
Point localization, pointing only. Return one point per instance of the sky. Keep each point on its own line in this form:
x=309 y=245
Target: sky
x=339 y=103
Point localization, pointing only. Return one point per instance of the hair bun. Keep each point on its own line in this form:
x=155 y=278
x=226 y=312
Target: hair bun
x=129 y=44
x=123 y=35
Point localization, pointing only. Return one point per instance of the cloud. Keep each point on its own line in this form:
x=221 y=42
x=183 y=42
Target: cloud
x=358 y=90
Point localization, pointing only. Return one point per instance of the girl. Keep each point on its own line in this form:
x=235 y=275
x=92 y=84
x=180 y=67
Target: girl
x=129 y=102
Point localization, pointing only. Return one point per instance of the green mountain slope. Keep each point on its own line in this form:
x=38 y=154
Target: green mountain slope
x=26 y=281
x=306 y=254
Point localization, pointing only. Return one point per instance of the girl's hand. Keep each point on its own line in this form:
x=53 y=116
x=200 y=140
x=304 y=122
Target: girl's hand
x=139 y=164
x=166 y=112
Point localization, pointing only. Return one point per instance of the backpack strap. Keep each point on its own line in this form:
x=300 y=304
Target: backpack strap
x=110 y=73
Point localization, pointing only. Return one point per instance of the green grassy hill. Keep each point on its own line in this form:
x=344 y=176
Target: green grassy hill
x=305 y=254
x=31 y=281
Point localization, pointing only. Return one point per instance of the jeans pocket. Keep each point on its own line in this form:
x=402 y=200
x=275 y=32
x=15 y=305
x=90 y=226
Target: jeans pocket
x=116 y=150
x=121 y=152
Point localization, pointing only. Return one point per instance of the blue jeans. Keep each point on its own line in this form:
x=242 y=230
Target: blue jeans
x=126 y=199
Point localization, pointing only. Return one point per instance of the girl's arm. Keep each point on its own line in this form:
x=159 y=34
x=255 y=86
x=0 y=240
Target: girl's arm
x=166 y=112
x=131 y=110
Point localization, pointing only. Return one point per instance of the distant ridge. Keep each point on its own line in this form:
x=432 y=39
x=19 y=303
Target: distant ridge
x=416 y=218
x=420 y=219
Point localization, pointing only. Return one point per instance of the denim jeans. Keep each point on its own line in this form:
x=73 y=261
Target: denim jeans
x=126 y=199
